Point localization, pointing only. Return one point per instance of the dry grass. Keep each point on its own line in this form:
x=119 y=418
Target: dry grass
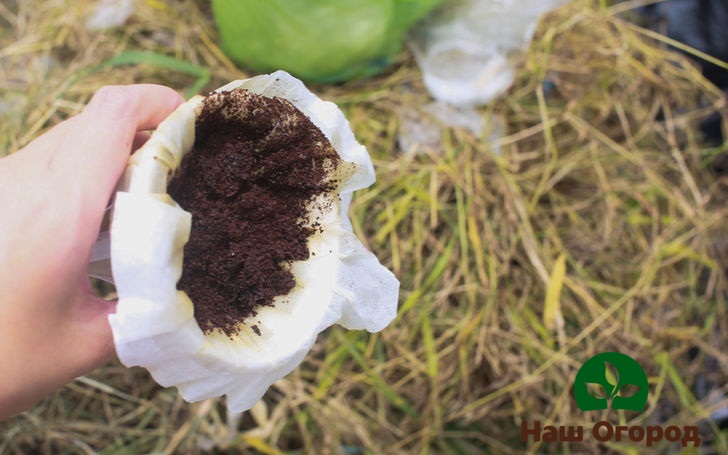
x=599 y=227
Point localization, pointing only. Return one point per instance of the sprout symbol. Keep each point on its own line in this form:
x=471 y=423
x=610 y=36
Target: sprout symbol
x=611 y=380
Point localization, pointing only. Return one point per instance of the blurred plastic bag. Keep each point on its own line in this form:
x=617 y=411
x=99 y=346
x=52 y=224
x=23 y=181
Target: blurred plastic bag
x=421 y=126
x=322 y=41
x=463 y=49
x=109 y=14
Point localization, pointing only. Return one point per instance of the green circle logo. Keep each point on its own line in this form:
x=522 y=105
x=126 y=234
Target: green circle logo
x=611 y=380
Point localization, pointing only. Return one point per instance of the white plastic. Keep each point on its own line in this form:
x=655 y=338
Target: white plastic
x=465 y=48
x=109 y=14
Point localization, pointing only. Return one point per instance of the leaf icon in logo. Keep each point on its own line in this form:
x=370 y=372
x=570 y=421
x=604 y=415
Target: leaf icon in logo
x=596 y=390
x=611 y=380
x=628 y=390
x=611 y=374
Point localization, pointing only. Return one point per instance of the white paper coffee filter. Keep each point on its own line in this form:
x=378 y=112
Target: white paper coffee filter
x=154 y=326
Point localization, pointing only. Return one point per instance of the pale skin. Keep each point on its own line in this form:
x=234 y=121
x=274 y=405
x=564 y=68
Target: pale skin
x=53 y=195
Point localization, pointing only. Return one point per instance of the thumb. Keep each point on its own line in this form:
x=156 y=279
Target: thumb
x=103 y=135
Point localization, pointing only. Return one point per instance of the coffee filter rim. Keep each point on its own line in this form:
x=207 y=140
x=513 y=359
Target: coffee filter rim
x=154 y=326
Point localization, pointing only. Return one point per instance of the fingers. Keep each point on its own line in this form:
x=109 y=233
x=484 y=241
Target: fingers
x=140 y=107
x=92 y=332
x=112 y=119
x=91 y=149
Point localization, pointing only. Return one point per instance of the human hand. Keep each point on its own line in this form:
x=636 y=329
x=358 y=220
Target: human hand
x=53 y=195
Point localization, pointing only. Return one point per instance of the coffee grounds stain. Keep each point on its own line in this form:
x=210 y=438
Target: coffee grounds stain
x=256 y=165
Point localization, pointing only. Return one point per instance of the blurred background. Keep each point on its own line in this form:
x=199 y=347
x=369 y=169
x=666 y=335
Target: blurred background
x=551 y=185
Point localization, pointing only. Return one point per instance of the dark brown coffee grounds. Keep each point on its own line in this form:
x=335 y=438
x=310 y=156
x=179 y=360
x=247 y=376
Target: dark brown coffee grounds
x=256 y=165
